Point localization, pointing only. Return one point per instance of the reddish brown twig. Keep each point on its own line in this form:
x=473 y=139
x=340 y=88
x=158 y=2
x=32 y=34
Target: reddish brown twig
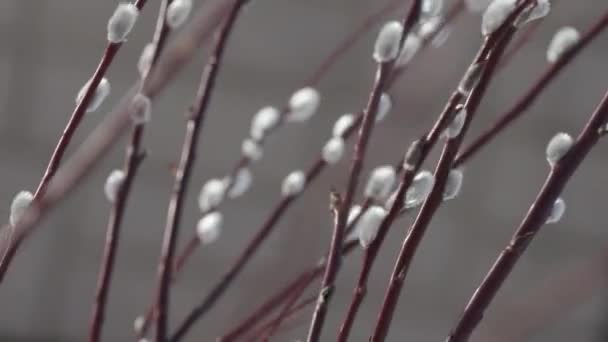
x=105 y=135
x=333 y=263
x=287 y=307
x=133 y=159
x=533 y=92
x=365 y=132
x=195 y=123
x=417 y=155
x=531 y=224
x=496 y=44
x=313 y=80
x=66 y=137
x=277 y=299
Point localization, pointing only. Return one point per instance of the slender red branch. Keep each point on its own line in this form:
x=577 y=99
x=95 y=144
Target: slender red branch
x=365 y=132
x=533 y=92
x=315 y=78
x=332 y=268
x=417 y=155
x=106 y=134
x=182 y=177
x=502 y=37
x=134 y=156
x=133 y=159
x=287 y=308
x=73 y=123
x=531 y=224
x=277 y=299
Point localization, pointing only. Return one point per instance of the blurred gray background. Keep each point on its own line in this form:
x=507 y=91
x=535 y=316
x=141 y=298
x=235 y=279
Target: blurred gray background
x=50 y=48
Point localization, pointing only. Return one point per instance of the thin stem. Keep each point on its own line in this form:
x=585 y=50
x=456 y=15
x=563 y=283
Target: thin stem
x=72 y=125
x=359 y=156
x=275 y=322
x=106 y=134
x=420 y=151
x=79 y=112
x=530 y=225
x=277 y=299
x=533 y=92
x=182 y=177
x=315 y=78
x=365 y=132
x=502 y=36
x=288 y=307
x=304 y=278
x=133 y=159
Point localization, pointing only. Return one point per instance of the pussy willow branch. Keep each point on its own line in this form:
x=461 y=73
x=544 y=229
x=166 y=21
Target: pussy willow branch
x=78 y=114
x=501 y=38
x=97 y=144
x=133 y=159
x=365 y=132
x=196 y=119
x=418 y=154
x=345 y=46
x=532 y=223
x=274 y=301
x=533 y=92
x=107 y=58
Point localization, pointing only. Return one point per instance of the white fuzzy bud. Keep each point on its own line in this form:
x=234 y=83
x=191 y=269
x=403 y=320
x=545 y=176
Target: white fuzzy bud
x=333 y=150
x=178 y=12
x=113 y=184
x=145 y=59
x=303 y=104
x=557 y=211
x=470 y=78
x=368 y=225
x=453 y=184
x=384 y=107
x=539 y=11
x=429 y=27
x=141 y=109
x=558 y=146
x=562 y=41
x=432 y=8
x=209 y=227
x=477 y=5
x=386 y=48
x=495 y=15
x=252 y=150
x=455 y=127
x=353 y=213
x=242 y=183
x=263 y=121
x=411 y=45
x=212 y=194
x=419 y=189
x=293 y=184
x=20 y=202
x=102 y=91
x=441 y=37
x=380 y=183
x=343 y=123
x=122 y=22
x=138 y=323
